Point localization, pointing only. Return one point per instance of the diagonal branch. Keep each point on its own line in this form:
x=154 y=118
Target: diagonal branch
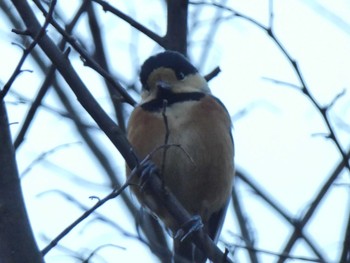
x=275 y=206
x=322 y=110
x=107 y=7
x=305 y=219
x=84 y=96
x=27 y=51
x=113 y=131
x=242 y=221
x=45 y=86
x=116 y=192
x=345 y=255
x=152 y=225
x=101 y=59
x=88 y=60
x=304 y=87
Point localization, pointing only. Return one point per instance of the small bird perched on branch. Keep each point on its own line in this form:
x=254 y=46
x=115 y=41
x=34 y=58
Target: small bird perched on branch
x=178 y=110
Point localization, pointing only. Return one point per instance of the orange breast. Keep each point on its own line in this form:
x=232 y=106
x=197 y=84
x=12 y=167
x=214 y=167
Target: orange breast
x=200 y=171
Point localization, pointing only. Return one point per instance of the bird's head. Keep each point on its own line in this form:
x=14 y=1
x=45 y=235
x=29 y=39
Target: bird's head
x=170 y=72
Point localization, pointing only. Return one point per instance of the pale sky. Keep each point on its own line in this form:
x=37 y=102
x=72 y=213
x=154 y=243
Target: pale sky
x=277 y=140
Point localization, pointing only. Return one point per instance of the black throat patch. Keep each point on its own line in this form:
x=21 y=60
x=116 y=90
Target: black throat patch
x=157 y=104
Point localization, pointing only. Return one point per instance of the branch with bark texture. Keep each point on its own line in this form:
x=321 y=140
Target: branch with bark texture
x=113 y=132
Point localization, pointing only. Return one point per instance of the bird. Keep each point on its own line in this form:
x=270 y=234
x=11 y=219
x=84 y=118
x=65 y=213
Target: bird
x=177 y=105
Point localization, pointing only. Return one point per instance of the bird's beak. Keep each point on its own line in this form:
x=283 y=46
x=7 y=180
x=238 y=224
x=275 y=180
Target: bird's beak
x=161 y=84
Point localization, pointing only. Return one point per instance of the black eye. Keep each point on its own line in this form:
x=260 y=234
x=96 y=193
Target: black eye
x=180 y=75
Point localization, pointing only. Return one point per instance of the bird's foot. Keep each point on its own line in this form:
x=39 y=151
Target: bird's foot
x=146 y=170
x=193 y=225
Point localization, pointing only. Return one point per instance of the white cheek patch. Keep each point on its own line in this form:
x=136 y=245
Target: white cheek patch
x=192 y=83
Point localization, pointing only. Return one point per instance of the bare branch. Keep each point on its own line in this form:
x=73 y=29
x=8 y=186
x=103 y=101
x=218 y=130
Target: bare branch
x=281 y=211
x=176 y=34
x=212 y=74
x=210 y=36
x=49 y=80
x=316 y=202
x=232 y=11
x=264 y=251
x=97 y=215
x=113 y=194
x=27 y=51
x=345 y=255
x=101 y=58
x=336 y=98
x=14 y=223
x=88 y=60
x=243 y=225
x=34 y=107
x=304 y=88
x=92 y=254
x=284 y=83
x=44 y=155
x=21 y=32
x=107 y=7
x=271 y=17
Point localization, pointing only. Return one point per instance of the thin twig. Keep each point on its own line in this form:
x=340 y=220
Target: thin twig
x=284 y=83
x=243 y=225
x=27 y=51
x=88 y=60
x=271 y=16
x=49 y=80
x=97 y=215
x=268 y=252
x=335 y=99
x=101 y=58
x=34 y=107
x=107 y=7
x=345 y=254
x=304 y=88
x=279 y=209
x=87 y=213
x=212 y=74
x=210 y=36
x=88 y=259
x=44 y=155
x=314 y=205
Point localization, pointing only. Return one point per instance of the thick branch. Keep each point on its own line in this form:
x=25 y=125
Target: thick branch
x=113 y=132
x=176 y=35
x=83 y=95
x=16 y=237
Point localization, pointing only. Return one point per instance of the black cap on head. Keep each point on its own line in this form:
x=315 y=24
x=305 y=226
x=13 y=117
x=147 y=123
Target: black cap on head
x=168 y=59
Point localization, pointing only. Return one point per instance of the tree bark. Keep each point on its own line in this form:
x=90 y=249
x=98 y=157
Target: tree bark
x=17 y=242
x=176 y=35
